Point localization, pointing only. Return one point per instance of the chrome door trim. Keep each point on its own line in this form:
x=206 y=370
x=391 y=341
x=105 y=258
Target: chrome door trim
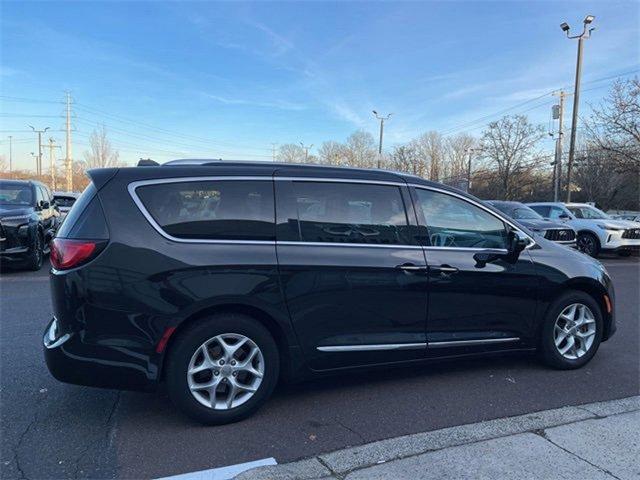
x=293 y=243
x=372 y=347
x=467 y=343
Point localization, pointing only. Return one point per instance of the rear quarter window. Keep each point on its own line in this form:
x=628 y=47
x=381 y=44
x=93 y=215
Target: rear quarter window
x=86 y=219
x=212 y=209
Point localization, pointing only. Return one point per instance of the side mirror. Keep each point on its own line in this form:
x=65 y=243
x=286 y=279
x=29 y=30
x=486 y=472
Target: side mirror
x=564 y=216
x=516 y=243
x=44 y=204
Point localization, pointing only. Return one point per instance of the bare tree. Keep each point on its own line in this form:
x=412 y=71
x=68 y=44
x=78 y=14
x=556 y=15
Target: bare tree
x=4 y=165
x=614 y=126
x=457 y=155
x=510 y=147
x=404 y=158
x=102 y=153
x=291 y=153
x=360 y=150
x=430 y=148
x=332 y=153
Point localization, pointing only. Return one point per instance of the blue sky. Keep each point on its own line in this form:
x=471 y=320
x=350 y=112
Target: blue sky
x=209 y=79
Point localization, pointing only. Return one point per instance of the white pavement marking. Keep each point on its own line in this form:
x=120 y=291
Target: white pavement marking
x=223 y=473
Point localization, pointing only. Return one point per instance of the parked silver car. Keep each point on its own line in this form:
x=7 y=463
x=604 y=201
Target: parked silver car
x=597 y=231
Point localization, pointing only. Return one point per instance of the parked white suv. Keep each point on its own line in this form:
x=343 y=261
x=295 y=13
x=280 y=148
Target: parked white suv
x=597 y=231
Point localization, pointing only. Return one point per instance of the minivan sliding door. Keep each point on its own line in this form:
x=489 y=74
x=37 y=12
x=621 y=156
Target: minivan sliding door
x=352 y=271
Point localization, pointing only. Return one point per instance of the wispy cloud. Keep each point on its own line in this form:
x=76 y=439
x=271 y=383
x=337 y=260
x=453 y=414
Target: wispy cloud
x=279 y=104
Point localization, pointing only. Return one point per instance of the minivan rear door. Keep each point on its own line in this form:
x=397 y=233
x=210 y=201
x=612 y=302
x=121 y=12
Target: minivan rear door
x=352 y=271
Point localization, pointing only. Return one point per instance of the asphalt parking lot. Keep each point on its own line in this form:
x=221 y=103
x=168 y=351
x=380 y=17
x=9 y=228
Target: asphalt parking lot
x=53 y=430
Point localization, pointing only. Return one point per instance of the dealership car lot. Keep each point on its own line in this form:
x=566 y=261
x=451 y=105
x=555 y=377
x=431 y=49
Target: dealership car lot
x=53 y=430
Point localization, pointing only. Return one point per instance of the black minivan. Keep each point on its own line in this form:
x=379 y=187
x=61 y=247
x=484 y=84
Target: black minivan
x=217 y=279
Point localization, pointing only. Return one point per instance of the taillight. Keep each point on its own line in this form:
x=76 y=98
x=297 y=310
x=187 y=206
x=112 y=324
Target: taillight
x=67 y=253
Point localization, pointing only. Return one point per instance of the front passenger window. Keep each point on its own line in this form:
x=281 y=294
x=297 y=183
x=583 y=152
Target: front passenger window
x=453 y=222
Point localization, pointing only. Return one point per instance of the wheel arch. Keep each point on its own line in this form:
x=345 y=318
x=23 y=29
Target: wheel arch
x=260 y=315
x=592 y=288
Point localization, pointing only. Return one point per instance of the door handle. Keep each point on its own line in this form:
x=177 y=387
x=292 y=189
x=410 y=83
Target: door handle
x=444 y=269
x=411 y=267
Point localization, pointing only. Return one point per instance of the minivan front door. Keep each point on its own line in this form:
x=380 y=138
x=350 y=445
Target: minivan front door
x=352 y=271
x=473 y=305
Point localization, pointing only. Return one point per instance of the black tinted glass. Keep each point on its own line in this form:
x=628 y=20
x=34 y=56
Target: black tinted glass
x=343 y=213
x=454 y=222
x=91 y=224
x=76 y=211
x=213 y=210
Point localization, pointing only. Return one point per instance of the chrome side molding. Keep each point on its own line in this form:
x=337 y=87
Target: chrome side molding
x=414 y=346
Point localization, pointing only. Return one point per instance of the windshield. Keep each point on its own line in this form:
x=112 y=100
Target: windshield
x=525 y=213
x=589 y=212
x=15 y=194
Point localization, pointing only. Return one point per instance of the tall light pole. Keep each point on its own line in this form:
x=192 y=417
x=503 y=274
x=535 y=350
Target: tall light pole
x=586 y=33
x=39 y=165
x=470 y=151
x=382 y=118
x=306 y=151
x=10 y=153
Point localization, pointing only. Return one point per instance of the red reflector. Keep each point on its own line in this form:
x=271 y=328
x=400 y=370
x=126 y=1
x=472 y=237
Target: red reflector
x=162 y=344
x=67 y=253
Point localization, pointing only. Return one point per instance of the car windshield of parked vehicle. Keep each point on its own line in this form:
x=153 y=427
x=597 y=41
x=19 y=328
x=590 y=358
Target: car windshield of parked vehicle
x=64 y=201
x=588 y=212
x=453 y=222
x=15 y=194
x=525 y=213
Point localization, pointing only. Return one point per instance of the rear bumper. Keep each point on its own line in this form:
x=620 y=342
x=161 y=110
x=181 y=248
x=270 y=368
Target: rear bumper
x=70 y=360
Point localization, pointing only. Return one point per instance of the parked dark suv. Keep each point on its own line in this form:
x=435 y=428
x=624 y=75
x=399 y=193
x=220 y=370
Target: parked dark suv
x=219 y=278
x=28 y=221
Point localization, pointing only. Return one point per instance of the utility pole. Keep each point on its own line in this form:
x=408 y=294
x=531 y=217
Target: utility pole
x=52 y=162
x=306 y=151
x=382 y=118
x=273 y=151
x=68 y=156
x=557 y=164
x=10 y=153
x=470 y=151
x=586 y=33
x=39 y=162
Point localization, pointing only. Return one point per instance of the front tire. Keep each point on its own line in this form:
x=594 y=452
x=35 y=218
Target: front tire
x=35 y=256
x=588 y=243
x=572 y=331
x=222 y=369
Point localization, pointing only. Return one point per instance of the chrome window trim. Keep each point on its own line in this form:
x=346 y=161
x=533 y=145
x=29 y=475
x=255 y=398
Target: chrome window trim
x=372 y=347
x=132 y=192
x=466 y=343
x=293 y=243
x=339 y=180
x=479 y=205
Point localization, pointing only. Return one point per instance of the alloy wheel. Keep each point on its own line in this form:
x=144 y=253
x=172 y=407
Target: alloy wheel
x=574 y=331
x=225 y=371
x=587 y=244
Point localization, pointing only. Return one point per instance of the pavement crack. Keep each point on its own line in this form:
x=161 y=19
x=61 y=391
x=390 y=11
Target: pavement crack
x=542 y=433
x=109 y=427
x=16 y=449
x=326 y=465
x=355 y=432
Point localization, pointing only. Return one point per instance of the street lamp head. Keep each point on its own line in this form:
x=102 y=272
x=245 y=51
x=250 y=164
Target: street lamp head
x=564 y=26
x=588 y=19
x=374 y=112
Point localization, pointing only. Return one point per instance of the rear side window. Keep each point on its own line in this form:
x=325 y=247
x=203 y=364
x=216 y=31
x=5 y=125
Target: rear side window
x=212 y=210
x=85 y=219
x=332 y=212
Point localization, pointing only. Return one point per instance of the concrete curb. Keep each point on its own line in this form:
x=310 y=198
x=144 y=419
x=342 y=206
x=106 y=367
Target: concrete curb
x=347 y=460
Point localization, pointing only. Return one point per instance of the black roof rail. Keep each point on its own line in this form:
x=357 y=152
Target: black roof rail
x=147 y=162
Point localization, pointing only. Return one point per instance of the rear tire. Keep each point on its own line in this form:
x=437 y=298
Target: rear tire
x=555 y=326
x=588 y=243
x=187 y=355
x=35 y=257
